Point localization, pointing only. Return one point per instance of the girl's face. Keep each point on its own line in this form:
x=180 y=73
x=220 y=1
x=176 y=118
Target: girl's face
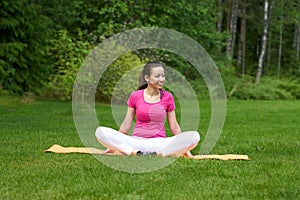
x=157 y=78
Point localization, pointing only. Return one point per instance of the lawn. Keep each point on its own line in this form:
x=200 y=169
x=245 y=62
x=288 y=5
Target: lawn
x=267 y=131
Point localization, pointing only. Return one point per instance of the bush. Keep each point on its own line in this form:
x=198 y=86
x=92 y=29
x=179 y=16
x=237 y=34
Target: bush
x=293 y=86
x=68 y=54
x=120 y=79
x=268 y=89
x=3 y=91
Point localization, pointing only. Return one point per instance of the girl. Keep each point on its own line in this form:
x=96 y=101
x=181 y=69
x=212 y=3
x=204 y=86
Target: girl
x=150 y=105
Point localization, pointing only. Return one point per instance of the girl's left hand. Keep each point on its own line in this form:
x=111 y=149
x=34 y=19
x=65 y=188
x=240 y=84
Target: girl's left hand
x=108 y=151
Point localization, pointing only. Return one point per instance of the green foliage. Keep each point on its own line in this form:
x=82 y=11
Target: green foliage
x=3 y=92
x=119 y=79
x=292 y=86
x=23 y=45
x=68 y=54
x=200 y=89
x=285 y=16
x=268 y=89
x=27 y=27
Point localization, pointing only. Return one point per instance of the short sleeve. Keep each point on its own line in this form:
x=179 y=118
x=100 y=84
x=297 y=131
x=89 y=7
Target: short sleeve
x=132 y=100
x=171 y=103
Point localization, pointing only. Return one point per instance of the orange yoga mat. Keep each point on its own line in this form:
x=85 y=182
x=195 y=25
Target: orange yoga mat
x=88 y=150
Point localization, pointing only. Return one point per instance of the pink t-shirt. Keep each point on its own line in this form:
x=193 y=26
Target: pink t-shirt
x=150 y=117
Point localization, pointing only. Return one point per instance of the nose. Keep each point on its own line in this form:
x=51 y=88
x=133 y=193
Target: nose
x=162 y=78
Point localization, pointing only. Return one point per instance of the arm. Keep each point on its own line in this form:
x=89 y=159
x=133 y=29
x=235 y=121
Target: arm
x=125 y=126
x=127 y=122
x=174 y=126
x=175 y=129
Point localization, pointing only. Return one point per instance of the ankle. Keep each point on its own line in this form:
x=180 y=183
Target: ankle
x=134 y=153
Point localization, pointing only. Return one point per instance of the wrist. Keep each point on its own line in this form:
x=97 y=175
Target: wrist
x=122 y=131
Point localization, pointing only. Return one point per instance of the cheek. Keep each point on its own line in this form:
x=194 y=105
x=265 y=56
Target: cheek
x=153 y=79
x=161 y=79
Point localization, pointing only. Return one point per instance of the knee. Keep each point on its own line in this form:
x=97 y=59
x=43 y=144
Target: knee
x=191 y=137
x=194 y=136
x=99 y=133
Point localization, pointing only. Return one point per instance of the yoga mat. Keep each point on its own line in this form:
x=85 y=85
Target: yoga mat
x=88 y=150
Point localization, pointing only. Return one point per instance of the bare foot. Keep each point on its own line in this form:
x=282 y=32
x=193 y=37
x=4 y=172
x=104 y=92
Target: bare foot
x=188 y=155
x=133 y=153
x=109 y=151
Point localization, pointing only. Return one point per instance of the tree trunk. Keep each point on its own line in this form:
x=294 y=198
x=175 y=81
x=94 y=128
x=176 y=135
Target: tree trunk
x=269 y=43
x=280 y=46
x=264 y=42
x=220 y=15
x=228 y=28
x=297 y=35
x=231 y=27
x=242 y=41
x=297 y=41
x=269 y=53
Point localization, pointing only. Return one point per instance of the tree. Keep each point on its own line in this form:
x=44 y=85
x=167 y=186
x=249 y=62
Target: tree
x=23 y=46
x=280 y=41
x=68 y=54
x=264 y=42
x=296 y=40
x=242 y=40
x=269 y=50
x=220 y=15
x=231 y=26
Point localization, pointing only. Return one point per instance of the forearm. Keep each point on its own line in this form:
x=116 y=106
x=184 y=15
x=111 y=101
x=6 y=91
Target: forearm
x=176 y=129
x=125 y=127
x=126 y=124
x=174 y=126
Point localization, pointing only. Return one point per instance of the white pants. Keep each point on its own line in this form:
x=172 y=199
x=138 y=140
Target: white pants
x=126 y=144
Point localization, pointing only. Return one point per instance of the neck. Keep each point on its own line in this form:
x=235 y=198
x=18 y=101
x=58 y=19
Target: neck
x=152 y=91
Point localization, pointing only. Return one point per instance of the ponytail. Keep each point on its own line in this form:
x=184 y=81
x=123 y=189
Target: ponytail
x=142 y=82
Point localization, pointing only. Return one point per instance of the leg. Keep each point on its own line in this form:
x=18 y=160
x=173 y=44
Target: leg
x=181 y=144
x=115 y=140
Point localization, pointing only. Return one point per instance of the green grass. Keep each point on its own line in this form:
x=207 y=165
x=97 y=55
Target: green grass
x=267 y=131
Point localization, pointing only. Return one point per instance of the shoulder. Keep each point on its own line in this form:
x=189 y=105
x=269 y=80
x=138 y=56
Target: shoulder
x=137 y=93
x=167 y=95
x=168 y=99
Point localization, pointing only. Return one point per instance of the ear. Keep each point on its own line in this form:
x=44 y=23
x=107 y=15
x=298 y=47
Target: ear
x=146 y=77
